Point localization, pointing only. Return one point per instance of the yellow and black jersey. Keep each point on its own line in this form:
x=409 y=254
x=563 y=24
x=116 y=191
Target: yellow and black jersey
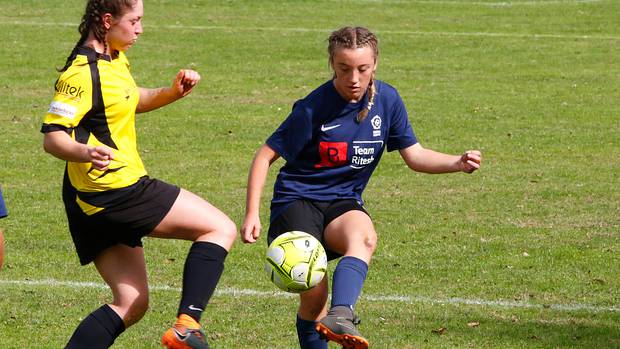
x=95 y=102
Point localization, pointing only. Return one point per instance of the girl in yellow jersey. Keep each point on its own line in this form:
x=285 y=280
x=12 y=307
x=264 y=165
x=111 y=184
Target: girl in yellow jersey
x=110 y=201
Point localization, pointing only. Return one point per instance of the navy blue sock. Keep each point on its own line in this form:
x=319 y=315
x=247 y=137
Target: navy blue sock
x=349 y=278
x=98 y=330
x=308 y=336
x=203 y=267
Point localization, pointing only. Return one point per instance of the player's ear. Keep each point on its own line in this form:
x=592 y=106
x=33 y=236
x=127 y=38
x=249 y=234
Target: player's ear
x=106 y=20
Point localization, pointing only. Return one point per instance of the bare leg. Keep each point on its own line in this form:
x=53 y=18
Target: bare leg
x=122 y=267
x=124 y=270
x=192 y=218
x=311 y=308
x=213 y=233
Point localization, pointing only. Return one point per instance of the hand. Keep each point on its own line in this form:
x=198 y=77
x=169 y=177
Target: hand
x=100 y=157
x=185 y=81
x=470 y=161
x=250 y=230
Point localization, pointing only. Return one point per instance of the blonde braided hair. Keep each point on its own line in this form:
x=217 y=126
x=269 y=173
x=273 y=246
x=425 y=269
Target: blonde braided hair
x=352 y=38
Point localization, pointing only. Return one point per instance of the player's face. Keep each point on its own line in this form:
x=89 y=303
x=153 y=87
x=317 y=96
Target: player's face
x=353 y=68
x=124 y=31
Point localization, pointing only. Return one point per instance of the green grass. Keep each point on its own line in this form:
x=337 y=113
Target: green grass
x=533 y=84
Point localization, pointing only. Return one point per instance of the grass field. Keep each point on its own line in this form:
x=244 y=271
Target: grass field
x=523 y=254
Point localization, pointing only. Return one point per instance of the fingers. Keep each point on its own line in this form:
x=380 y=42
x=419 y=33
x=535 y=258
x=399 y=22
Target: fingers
x=100 y=165
x=186 y=80
x=104 y=152
x=190 y=77
x=101 y=157
x=471 y=160
x=472 y=166
x=250 y=233
x=474 y=155
x=180 y=75
x=248 y=237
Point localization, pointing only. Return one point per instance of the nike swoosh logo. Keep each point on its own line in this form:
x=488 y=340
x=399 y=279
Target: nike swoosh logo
x=192 y=307
x=180 y=335
x=345 y=325
x=327 y=128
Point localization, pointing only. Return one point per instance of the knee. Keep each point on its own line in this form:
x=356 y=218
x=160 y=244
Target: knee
x=370 y=242
x=229 y=231
x=136 y=311
x=134 y=308
x=224 y=234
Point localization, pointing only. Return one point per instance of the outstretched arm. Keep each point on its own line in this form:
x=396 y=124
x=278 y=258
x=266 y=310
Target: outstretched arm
x=153 y=98
x=429 y=161
x=62 y=146
x=265 y=156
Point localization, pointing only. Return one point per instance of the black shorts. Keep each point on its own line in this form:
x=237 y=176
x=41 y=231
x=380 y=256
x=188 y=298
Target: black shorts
x=128 y=215
x=312 y=217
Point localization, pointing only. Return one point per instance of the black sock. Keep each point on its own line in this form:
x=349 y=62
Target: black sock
x=98 y=330
x=203 y=267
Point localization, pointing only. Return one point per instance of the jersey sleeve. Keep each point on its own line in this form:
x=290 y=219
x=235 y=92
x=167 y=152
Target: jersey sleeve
x=293 y=134
x=72 y=100
x=401 y=133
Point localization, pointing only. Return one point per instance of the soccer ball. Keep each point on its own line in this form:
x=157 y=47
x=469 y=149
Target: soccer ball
x=296 y=261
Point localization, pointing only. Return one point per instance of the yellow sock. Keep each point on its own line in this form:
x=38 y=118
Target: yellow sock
x=187 y=321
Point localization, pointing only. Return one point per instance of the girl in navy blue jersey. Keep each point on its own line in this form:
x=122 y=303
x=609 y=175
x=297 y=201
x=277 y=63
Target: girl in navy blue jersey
x=332 y=141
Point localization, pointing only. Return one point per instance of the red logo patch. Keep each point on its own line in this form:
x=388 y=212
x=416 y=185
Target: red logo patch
x=332 y=154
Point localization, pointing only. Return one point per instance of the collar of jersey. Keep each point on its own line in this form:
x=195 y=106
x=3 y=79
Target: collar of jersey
x=92 y=54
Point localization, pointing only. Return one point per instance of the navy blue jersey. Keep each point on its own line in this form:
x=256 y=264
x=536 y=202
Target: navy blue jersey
x=3 y=211
x=329 y=155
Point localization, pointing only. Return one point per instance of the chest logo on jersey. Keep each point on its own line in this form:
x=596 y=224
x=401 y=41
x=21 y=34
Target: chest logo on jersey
x=376 y=125
x=67 y=89
x=364 y=153
x=332 y=154
x=327 y=128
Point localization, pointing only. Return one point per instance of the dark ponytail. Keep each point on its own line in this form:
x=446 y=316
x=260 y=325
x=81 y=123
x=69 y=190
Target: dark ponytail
x=92 y=21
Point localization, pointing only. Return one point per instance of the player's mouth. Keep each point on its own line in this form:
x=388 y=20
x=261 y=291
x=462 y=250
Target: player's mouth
x=354 y=89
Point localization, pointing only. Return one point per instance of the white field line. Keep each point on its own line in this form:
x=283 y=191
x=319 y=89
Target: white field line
x=316 y=30
x=235 y=292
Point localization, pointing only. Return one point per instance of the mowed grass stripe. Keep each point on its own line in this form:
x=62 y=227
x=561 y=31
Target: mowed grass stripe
x=236 y=292
x=323 y=30
x=481 y=3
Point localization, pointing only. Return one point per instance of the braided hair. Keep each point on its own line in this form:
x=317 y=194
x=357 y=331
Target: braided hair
x=352 y=38
x=92 y=21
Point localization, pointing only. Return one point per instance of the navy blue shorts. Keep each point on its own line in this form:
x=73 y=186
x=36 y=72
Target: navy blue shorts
x=127 y=216
x=312 y=217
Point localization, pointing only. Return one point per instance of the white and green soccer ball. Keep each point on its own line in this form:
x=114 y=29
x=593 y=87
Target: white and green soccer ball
x=296 y=261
